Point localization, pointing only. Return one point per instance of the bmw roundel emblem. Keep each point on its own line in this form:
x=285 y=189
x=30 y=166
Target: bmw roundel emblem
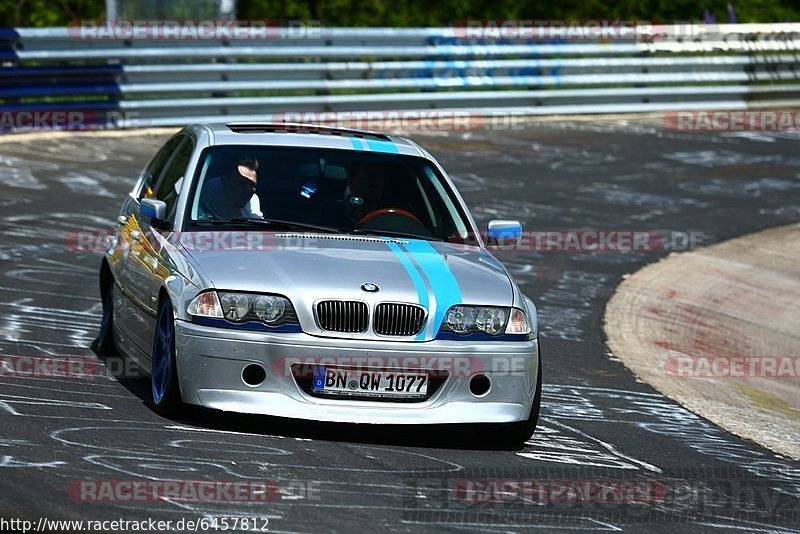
x=369 y=288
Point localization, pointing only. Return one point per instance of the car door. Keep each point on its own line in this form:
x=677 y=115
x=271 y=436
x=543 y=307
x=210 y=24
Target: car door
x=156 y=262
x=136 y=312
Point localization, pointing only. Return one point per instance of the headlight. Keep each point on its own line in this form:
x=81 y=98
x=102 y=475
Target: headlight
x=242 y=307
x=269 y=308
x=491 y=320
x=466 y=319
x=460 y=319
x=235 y=306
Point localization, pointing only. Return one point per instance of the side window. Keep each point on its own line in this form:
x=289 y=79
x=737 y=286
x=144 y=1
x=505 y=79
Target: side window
x=156 y=167
x=168 y=186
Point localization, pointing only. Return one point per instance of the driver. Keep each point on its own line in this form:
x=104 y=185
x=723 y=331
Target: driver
x=364 y=191
x=371 y=208
x=233 y=195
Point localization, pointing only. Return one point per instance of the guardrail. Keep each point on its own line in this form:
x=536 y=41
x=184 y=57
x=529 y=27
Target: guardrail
x=146 y=82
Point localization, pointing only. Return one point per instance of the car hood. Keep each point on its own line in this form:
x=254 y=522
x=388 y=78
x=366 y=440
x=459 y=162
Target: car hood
x=307 y=268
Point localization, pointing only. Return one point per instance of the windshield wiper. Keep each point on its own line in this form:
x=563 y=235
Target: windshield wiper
x=288 y=225
x=389 y=233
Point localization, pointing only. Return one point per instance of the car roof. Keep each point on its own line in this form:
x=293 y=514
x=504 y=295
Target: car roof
x=310 y=135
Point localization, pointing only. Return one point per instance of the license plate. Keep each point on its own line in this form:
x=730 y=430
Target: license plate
x=365 y=383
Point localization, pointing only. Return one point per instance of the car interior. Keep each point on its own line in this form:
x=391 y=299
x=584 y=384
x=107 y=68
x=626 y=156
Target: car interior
x=337 y=189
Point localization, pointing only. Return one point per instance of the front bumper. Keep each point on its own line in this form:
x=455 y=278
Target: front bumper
x=210 y=361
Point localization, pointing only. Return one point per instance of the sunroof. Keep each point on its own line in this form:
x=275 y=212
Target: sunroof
x=303 y=128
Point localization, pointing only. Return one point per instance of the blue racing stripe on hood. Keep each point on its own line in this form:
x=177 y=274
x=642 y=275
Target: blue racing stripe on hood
x=419 y=283
x=446 y=292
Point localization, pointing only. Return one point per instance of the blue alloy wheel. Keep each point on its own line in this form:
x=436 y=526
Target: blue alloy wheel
x=164 y=379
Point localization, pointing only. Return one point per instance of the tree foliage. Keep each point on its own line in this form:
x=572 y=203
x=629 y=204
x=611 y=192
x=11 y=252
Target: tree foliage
x=40 y=13
x=447 y=12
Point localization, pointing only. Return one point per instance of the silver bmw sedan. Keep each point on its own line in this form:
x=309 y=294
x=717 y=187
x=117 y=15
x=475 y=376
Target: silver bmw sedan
x=317 y=273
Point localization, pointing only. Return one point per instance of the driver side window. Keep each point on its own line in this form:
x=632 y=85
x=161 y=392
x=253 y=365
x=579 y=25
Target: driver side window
x=156 y=166
x=168 y=186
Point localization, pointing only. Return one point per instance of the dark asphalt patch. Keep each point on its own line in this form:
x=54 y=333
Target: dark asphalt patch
x=599 y=425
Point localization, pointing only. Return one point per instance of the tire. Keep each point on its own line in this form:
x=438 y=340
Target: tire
x=105 y=345
x=164 y=373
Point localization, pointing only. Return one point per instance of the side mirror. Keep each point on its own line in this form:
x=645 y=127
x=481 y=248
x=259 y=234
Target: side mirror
x=156 y=211
x=504 y=233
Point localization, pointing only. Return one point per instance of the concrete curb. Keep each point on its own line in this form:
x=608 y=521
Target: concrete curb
x=677 y=324
x=60 y=134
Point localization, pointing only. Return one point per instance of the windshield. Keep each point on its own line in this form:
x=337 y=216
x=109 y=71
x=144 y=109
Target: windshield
x=325 y=190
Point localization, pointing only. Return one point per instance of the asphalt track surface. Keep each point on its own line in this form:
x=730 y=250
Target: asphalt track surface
x=598 y=426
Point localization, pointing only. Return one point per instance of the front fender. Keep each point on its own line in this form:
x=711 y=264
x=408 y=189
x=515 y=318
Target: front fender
x=180 y=292
x=533 y=315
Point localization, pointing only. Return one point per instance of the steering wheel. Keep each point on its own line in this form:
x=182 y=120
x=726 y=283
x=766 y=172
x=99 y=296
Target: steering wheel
x=386 y=211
